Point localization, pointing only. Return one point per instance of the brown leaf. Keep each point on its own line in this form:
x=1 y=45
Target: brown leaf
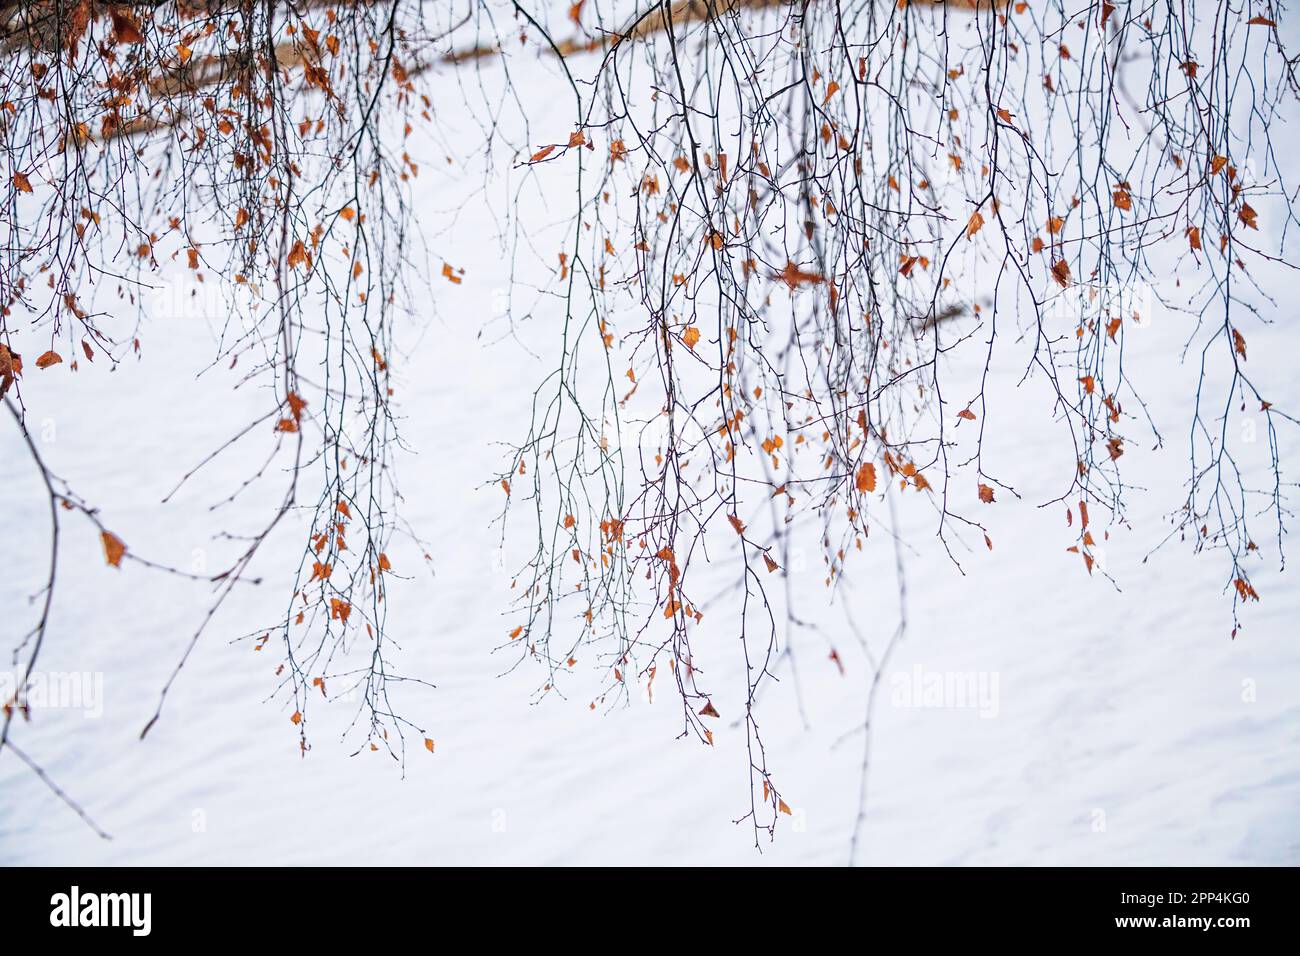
x=975 y=224
x=986 y=494
x=691 y=336
x=1238 y=343
x=49 y=358
x=708 y=710
x=22 y=183
x=428 y=744
x=126 y=28
x=114 y=549
x=1061 y=272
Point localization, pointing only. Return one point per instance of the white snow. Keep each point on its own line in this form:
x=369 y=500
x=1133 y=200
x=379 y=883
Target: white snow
x=1129 y=727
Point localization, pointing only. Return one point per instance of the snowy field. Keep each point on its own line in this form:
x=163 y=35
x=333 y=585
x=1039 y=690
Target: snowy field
x=1118 y=725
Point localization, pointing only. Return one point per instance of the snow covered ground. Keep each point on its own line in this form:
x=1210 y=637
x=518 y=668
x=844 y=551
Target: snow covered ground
x=1117 y=727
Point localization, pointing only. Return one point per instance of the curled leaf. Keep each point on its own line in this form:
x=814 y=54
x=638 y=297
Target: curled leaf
x=1061 y=272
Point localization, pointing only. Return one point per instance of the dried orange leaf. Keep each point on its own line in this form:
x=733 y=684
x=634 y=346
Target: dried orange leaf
x=114 y=548
x=866 y=480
